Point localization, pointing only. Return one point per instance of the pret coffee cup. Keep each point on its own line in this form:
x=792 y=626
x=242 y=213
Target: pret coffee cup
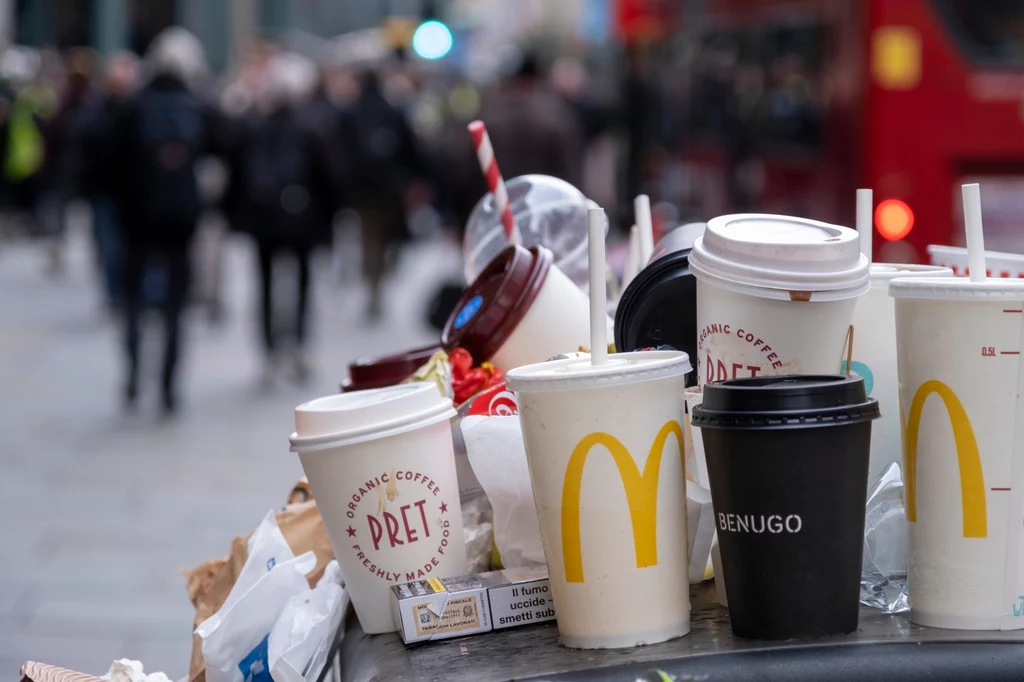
x=874 y=356
x=387 y=370
x=775 y=295
x=959 y=346
x=788 y=463
x=520 y=310
x=382 y=469
x=604 y=444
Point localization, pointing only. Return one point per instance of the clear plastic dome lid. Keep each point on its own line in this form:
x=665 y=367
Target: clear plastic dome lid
x=549 y=212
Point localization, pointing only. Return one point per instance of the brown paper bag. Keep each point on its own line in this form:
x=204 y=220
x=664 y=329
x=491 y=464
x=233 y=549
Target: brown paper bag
x=41 y=672
x=209 y=584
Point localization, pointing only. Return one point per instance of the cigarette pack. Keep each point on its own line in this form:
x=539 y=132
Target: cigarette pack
x=522 y=597
x=440 y=608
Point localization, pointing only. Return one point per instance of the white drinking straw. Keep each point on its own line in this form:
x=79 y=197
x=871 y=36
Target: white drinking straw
x=975 y=235
x=642 y=209
x=633 y=265
x=865 y=207
x=598 y=295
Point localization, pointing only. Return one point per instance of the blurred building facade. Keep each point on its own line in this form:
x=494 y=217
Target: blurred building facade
x=224 y=26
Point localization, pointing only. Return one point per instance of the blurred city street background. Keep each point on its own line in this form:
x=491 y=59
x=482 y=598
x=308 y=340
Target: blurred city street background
x=279 y=187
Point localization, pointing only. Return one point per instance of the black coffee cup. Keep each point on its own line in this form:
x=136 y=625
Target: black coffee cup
x=787 y=460
x=659 y=307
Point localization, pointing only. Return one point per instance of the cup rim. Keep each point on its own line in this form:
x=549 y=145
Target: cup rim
x=621 y=369
x=816 y=296
x=442 y=411
x=883 y=273
x=957 y=289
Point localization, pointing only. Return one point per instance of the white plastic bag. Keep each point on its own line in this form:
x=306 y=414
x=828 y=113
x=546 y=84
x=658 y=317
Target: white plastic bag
x=267 y=548
x=700 y=531
x=498 y=457
x=302 y=637
x=235 y=639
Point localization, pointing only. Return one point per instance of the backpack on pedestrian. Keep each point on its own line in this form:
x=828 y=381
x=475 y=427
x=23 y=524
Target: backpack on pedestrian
x=278 y=183
x=172 y=137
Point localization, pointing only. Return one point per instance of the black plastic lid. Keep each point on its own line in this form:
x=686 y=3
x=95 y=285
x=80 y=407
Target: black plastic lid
x=659 y=306
x=789 y=401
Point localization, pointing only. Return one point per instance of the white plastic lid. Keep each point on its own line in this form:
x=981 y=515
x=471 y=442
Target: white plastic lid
x=957 y=289
x=961 y=252
x=777 y=252
x=883 y=273
x=359 y=416
x=577 y=373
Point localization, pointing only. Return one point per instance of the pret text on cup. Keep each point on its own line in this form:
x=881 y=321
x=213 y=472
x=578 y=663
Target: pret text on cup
x=400 y=532
x=759 y=523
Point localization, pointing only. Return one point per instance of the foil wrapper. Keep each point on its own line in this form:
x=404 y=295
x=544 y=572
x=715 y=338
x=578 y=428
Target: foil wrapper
x=438 y=371
x=883 y=578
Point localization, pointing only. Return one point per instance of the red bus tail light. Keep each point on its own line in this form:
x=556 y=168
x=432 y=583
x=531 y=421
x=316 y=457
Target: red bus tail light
x=894 y=219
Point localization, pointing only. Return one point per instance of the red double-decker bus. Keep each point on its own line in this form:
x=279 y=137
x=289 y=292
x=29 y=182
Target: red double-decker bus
x=791 y=106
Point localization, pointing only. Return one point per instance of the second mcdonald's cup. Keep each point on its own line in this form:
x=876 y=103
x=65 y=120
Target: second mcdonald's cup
x=961 y=381
x=604 y=445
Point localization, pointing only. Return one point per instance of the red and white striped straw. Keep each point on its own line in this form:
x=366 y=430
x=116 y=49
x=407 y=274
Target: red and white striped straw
x=489 y=165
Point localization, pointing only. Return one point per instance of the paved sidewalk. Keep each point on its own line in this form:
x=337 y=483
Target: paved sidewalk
x=100 y=512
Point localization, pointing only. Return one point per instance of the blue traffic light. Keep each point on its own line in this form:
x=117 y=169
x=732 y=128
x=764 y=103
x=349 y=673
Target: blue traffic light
x=432 y=40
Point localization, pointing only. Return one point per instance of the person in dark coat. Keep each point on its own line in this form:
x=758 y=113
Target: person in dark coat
x=286 y=200
x=97 y=181
x=162 y=134
x=383 y=163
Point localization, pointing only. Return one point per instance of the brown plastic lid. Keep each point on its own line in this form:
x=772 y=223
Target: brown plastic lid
x=388 y=370
x=493 y=305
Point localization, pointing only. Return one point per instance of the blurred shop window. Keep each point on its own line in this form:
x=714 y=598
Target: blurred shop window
x=146 y=19
x=715 y=100
x=63 y=23
x=72 y=22
x=988 y=31
x=791 y=111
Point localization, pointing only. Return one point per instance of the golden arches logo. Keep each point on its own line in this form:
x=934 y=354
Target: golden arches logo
x=641 y=496
x=972 y=480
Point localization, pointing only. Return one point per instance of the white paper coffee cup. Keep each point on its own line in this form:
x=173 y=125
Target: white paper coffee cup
x=605 y=449
x=961 y=381
x=521 y=309
x=775 y=295
x=558 y=321
x=382 y=469
x=874 y=357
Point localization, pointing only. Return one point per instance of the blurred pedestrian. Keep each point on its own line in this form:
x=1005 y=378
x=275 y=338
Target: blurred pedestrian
x=286 y=199
x=384 y=169
x=162 y=134
x=532 y=128
x=98 y=175
x=24 y=148
x=62 y=165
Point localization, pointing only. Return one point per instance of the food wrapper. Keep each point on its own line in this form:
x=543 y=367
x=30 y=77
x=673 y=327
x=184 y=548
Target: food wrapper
x=210 y=584
x=41 y=672
x=468 y=380
x=438 y=371
x=122 y=670
x=498 y=457
x=883 y=578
